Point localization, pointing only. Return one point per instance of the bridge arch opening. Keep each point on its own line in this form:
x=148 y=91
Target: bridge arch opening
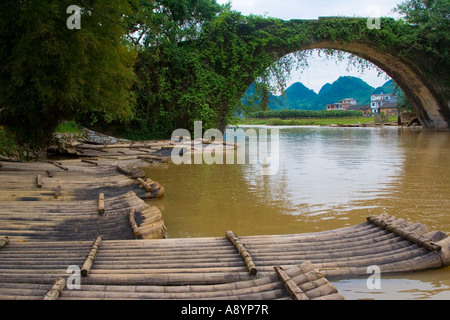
x=418 y=89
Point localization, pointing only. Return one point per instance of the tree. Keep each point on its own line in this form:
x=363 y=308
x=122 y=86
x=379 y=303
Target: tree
x=404 y=105
x=50 y=73
x=431 y=22
x=196 y=67
x=172 y=83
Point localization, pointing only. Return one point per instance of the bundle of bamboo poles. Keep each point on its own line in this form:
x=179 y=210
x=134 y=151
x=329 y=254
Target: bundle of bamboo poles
x=304 y=282
x=152 y=226
x=55 y=291
x=153 y=189
x=91 y=257
x=418 y=239
x=134 y=225
x=131 y=171
x=270 y=286
x=28 y=193
x=74 y=220
x=80 y=178
x=210 y=268
x=242 y=251
x=294 y=291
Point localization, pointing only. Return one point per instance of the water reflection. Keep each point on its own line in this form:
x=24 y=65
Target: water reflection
x=328 y=168
x=418 y=286
x=328 y=178
x=338 y=175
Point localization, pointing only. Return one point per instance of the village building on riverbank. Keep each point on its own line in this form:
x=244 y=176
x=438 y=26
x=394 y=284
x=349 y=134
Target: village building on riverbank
x=379 y=103
x=383 y=103
x=342 y=104
x=350 y=104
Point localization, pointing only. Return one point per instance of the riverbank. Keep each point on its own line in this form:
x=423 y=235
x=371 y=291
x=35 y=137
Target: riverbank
x=51 y=219
x=316 y=122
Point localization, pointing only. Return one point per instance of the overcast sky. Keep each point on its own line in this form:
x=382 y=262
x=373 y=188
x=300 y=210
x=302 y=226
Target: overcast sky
x=321 y=70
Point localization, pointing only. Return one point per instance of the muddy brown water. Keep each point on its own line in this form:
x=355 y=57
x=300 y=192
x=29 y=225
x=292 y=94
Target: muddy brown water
x=328 y=178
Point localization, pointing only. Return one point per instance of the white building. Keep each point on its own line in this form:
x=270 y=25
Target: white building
x=377 y=101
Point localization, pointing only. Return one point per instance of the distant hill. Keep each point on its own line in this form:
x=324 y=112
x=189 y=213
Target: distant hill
x=299 y=97
x=296 y=95
x=344 y=87
x=387 y=88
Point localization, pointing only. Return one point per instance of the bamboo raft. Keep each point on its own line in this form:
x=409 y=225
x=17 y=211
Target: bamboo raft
x=75 y=200
x=213 y=268
x=88 y=213
x=38 y=270
x=150 y=151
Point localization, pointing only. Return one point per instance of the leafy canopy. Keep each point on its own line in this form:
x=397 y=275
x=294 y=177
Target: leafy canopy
x=50 y=73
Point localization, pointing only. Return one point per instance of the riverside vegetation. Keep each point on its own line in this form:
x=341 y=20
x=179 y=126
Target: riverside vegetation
x=150 y=67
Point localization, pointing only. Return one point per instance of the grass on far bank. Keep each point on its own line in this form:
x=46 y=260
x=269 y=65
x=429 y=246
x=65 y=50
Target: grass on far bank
x=310 y=122
x=69 y=127
x=8 y=147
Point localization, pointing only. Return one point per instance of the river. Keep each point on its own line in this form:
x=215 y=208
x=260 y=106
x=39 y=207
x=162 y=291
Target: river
x=327 y=178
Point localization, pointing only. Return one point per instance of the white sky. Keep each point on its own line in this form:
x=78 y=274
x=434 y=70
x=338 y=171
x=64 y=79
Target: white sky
x=321 y=71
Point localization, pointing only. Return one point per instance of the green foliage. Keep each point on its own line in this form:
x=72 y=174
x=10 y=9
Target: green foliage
x=430 y=19
x=159 y=65
x=50 y=73
x=197 y=59
x=173 y=88
x=69 y=127
x=299 y=97
x=390 y=87
x=381 y=118
x=404 y=105
x=8 y=147
x=199 y=74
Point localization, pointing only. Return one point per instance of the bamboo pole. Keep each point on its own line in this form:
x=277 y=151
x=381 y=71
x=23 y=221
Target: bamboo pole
x=405 y=234
x=91 y=257
x=39 y=181
x=57 y=192
x=145 y=185
x=150 y=157
x=258 y=293
x=101 y=203
x=133 y=172
x=158 y=190
x=59 y=165
x=90 y=161
x=135 y=145
x=324 y=290
x=133 y=223
x=3 y=241
x=294 y=291
x=333 y=296
x=242 y=251
x=56 y=289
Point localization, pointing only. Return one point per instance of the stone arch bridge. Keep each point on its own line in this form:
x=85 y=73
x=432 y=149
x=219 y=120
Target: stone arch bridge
x=420 y=74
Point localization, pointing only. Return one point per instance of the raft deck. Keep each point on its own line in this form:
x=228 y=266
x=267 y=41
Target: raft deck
x=51 y=220
x=214 y=268
x=61 y=201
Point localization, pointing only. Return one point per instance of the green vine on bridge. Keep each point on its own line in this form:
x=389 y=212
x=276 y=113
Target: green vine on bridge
x=155 y=66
